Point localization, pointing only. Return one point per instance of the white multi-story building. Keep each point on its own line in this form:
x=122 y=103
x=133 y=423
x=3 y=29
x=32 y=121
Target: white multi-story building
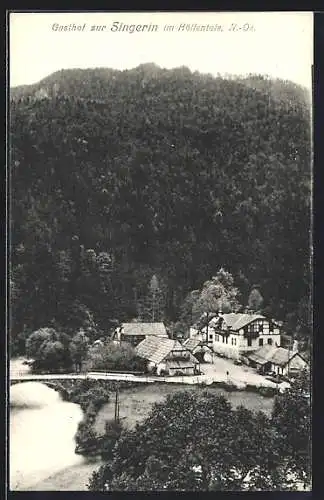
x=234 y=334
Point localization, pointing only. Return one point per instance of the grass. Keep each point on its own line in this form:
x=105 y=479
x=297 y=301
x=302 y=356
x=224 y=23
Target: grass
x=136 y=402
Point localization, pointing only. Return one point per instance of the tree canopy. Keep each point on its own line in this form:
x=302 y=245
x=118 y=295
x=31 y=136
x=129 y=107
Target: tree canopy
x=79 y=347
x=113 y=356
x=198 y=442
x=255 y=300
x=117 y=176
x=48 y=348
x=218 y=295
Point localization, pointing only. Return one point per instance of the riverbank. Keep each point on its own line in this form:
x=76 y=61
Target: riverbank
x=135 y=400
x=73 y=478
x=92 y=391
x=135 y=403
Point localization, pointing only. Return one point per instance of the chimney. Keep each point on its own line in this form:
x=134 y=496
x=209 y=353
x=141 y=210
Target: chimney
x=295 y=346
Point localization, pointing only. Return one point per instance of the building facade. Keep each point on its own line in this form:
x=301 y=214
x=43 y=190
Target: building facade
x=167 y=357
x=233 y=334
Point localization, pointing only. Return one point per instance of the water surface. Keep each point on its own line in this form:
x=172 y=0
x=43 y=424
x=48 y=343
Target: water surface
x=42 y=428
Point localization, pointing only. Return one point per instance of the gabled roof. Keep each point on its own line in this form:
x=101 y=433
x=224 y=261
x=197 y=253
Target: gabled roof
x=276 y=355
x=155 y=349
x=262 y=355
x=281 y=356
x=144 y=329
x=195 y=345
x=191 y=344
x=236 y=321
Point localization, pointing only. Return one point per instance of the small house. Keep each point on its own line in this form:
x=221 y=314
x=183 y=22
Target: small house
x=203 y=353
x=135 y=332
x=277 y=360
x=164 y=355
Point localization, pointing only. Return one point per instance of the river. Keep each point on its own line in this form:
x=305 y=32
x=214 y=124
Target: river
x=42 y=430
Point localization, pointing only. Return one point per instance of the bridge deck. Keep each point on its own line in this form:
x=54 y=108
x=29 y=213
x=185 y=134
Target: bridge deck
x=26 y=377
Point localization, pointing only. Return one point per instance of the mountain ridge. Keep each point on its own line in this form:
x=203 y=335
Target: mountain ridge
x=66 y=81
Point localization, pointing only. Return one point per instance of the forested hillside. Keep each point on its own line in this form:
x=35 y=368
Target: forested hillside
x=120 y=175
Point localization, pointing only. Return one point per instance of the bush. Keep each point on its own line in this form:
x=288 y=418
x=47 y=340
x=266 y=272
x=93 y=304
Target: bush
x=49 y=350
x=86 y=439
x=91 y=395
x=115 y=357
x=268 y=391
x=113 y=430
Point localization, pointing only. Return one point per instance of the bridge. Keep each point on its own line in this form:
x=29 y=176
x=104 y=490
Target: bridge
x=31 y=377
x=16 y=377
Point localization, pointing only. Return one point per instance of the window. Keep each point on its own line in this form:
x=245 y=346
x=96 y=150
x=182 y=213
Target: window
x=210 y=336
x=270 y=326
x=234 y=341
x=249 y=342
x=270 y=341
x=217 y=338
x=226 y=340
x=261 y=328
x=260 y=342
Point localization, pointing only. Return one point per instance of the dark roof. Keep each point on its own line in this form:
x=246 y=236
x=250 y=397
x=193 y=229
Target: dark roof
x=144 y=329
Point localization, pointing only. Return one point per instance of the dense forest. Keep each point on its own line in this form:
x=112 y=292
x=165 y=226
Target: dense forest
x=118 y=176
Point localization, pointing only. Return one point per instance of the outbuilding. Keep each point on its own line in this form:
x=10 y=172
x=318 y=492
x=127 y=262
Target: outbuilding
x=277 y=360
x=167 y=356
x=135 y=332
x=197 y=348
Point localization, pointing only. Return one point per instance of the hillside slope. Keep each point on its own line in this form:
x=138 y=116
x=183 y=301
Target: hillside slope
x=117 y=175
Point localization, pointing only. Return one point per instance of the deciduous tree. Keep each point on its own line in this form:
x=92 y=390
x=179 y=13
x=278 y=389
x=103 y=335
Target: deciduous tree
x=198 y=442
x=217 y=295
x=111 y=356
x=79 y=346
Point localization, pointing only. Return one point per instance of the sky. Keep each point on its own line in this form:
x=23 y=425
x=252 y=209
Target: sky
x=278 y=44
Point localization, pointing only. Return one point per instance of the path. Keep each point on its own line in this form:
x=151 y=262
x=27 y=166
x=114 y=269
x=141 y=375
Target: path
x=205 y=379
x=221 y=370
